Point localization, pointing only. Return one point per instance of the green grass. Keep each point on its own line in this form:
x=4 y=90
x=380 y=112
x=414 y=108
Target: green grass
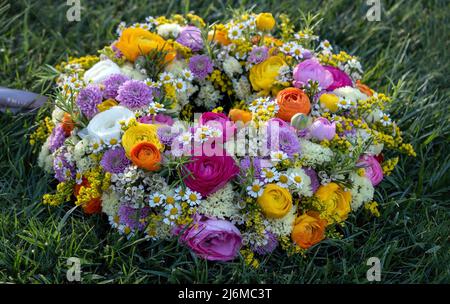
x=405 y=54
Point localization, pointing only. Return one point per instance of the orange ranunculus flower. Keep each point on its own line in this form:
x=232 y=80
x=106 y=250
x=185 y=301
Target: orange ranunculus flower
x=240 y=115
x=219 y=36
x=67 y=124
x=94 y=205
x=136 y=41
x=335 y=201
x=292 y=101
x=309 y=229
x=363 y=88
x=146 y=155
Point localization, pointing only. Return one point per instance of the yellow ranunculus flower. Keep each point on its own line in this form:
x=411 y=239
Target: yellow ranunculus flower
x=335 y=200
x=106 y=105
x=134 y=42
x=275 y=201
x=329 y=101
x=139 y=133
x=263 y=75
x=265 y=22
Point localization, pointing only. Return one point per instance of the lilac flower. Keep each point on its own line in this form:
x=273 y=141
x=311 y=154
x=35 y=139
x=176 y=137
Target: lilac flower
x=272 y=243
x=200 y=66
x=88 y=99
x=112 y=84
x=132 y=217
x=57 y=138
x=64 y=169
x=166 y=135
x=191 y=37
x=115 y=161
x=258 y=55
x=134 y=94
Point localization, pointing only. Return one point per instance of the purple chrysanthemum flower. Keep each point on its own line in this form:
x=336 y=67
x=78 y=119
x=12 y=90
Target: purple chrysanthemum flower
x=285 y=139
x=166 y=135
x=314 y=179
x=57 y=138
x=272 y=243
x=191 y=37
x=134 y=94
x=64 y=170
x=200 y=66
x=88 y=99
x=132 y=217
x=115 y=160
x=258 y=55
x=112 y=84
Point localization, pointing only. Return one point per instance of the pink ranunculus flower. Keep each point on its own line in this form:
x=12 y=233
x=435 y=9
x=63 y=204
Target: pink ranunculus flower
x=311 y=69
x=340 y=78
x=212 y=239
x=373 y=169
x=322 y=129
x=207 y=174
x=219 y=121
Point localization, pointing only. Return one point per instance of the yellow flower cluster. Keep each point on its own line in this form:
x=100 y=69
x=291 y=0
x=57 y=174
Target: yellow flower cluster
x=98 y=182
x=63 y=194
x=286 y=26
x=221 y=82
x=85 y=62
x=43 y=130
x=389 y=165
x=372 y=207
x=336 y=59
x=249 y=258
x=290 y=247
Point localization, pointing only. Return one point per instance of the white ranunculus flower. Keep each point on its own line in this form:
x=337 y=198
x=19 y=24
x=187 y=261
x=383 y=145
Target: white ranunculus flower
x=106 y=125
x=101 y=71
x=128 y=70
x=350 y=94
x=232 y=66
x=169 y=30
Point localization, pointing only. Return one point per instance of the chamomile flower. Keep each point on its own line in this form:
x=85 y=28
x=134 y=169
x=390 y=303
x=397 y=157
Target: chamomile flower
x=256 y=189
x=187 y=74
x=156 y=107
x=96 y=147
x=180 y=85
x=171 y=213
x=180 y=194
x=113 y=143
x=269 y=175
x=386 y=120
x=185 y=138
x=278 y=156
x=234 y=33
x=283 y=180
x=193 y=198
x=166 y=77
x=156 y=199
x=78 y=177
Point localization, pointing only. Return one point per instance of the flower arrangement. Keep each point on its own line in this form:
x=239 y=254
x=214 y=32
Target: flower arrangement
x=239 y=137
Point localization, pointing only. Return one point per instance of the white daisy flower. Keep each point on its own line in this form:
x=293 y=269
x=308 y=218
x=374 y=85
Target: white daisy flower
x=386 y=120
x=256 y=189
x=180 y=85
x=278 y=156
x=156 y=199
x=234 y=33
x=187 y=74
x=269 y=175
x=172 y=212
x=283 y=180
x=193 y=198
x=166 y=77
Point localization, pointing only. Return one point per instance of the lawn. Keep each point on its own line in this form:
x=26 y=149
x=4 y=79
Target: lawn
x=405 y=54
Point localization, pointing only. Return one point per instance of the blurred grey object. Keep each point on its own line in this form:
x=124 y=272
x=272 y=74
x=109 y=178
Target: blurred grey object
x=17 y=100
